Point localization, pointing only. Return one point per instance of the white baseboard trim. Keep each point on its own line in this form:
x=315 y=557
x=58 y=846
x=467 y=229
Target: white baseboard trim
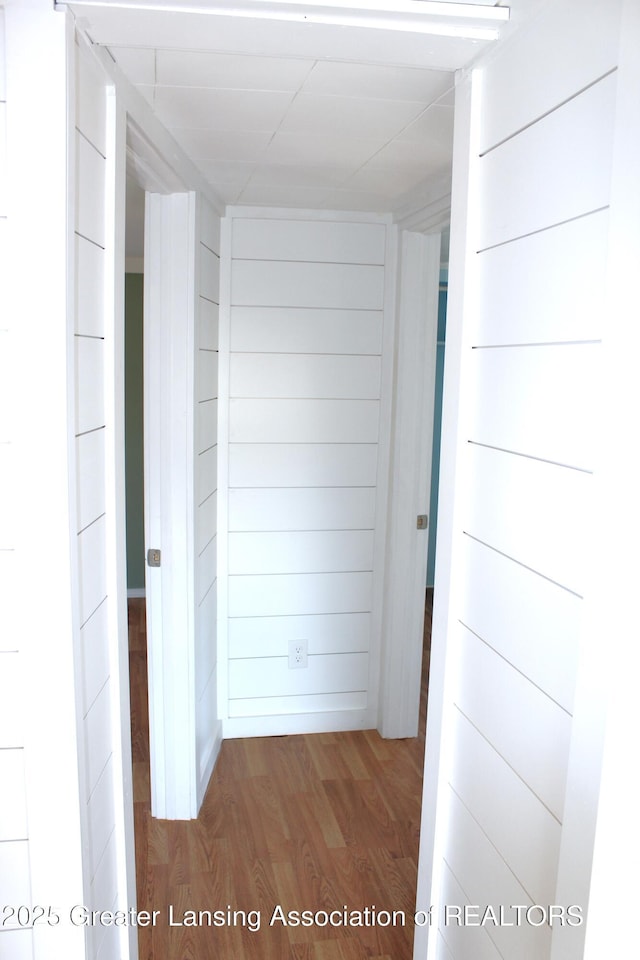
x=207 y=768
x=283 y=724
x=134 y=592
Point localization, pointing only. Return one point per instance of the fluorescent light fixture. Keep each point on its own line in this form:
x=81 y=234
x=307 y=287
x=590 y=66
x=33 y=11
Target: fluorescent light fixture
x=470 y=21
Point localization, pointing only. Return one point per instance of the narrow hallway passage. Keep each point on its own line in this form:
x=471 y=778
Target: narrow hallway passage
x=322 y=822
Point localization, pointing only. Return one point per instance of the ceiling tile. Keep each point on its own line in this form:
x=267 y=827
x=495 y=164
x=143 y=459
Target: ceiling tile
x=228 y=71
x=337 y=117
x=379 y=82
x=307 y=148
x=225 y=109
x=301 y=175
x=239 y=145
x=138 y=65
x=358 y=200
x=386 y=181
x=436 y=123
x=403 y=154
x=285 y=196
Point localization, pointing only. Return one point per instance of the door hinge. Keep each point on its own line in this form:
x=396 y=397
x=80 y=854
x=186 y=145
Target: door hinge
x=422 y=521
x=153 y=558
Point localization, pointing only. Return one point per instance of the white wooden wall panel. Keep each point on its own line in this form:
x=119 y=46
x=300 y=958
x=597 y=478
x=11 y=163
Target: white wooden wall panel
x=300 y=551
x=206 y=473
x=90 y=459
x=205 y=570
x=205 y=648
x=12 y=717
x=207 y=374
x=98 y=732
x=90 y=197
x=9 y=480
x=209 y=274
x=312 y=240
x=90 y=383
x=300 y=330
x=302 y=464
x=281 y=595
x=91 y=106
x=205 y=522
x=208 y=318
x=526 y=310
x=340 y=704
x=286 y=284
x=89 y=275
x=13 y=800
x=530 y=621
x=326 y=673
x=303 y=421
x=584 y=129
x=554 y=424
x=530 y=510
x=304 y=376
x=8 y=602
x=304 y=381
x=465 y=940
x=16 y=944
x=568 y=306
x=93 y=576
x=511 y=100
x=95 y=655
x=14 y=875
x=325 y=633
x=505 y=808
x=302 y=508
x=101 y=813
x=6 y=366
x=206 y=424
x=526 y=728
x=486 y=878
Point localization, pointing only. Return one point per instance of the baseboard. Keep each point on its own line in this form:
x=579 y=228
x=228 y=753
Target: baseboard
x=134 y=592
x=208 y=765
x=284 y=724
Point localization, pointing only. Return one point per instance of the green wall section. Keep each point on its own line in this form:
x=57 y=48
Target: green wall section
x=134 y=425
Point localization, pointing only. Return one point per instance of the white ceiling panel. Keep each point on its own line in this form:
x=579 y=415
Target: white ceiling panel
x=309 y=148
x=386 y=181
x=238 y=145
x=406 y=154
x=194 y=68
x=300 y=175
x=379 y=82
x=435 y=124
x=194 y=107
x=337 y=117
x=286 y=196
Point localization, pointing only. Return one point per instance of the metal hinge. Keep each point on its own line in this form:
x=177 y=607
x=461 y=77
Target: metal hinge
x=422 y=522
x=153 y=558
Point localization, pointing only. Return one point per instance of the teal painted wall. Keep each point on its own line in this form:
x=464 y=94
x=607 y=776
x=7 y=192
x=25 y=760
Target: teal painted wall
x=437 y=428
x=134 y=426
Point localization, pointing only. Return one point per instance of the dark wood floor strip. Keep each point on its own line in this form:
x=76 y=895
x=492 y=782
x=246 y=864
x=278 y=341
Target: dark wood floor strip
x=318 y=822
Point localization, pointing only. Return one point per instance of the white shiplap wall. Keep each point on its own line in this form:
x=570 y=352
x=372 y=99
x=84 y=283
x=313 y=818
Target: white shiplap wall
x=207 y=723
x=14 y=843
x=531 y=308
x=93 y=349
x=305 y=368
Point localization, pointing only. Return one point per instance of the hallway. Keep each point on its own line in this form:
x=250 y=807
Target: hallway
x=319 y=822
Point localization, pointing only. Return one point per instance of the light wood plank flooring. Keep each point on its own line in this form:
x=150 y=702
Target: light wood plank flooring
x=317 y=822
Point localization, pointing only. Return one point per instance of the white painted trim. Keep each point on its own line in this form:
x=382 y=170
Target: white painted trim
x=286 y=213
x=442 y=665
x=442 y=19
x=207 y=768
x=115 y=490
x=425 y=208
x=406 y=556
x=169 y=376
x=134 y=265
x=222 y=520
x=289 y=724
x=135 y=593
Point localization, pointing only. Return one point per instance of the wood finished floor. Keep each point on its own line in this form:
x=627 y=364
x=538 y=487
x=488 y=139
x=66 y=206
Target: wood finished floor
x=314 y=822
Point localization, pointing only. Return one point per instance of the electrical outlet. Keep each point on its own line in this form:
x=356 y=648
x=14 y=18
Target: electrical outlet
x=298 y=653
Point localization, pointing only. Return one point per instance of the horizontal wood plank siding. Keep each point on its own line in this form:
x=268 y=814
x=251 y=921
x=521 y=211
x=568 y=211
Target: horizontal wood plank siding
x=532 y=317
x=207 y=723
x=305 y=373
